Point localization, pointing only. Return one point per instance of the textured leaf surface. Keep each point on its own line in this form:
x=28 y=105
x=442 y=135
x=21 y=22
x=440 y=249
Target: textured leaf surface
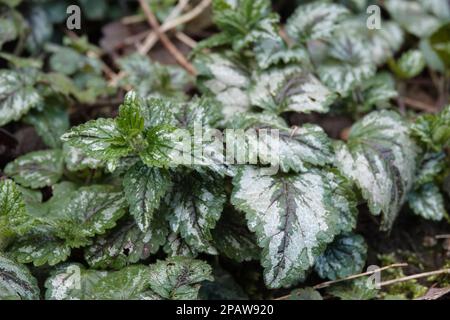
x=410 y=64
x=348 y=66
x=13 y=213
x=144 y=187
x=99 y=139
x=50 y=124
x=226 y=81
x=194 y=206
x=345 y=256
x=88 y=211
x=75 y=159
x=293 y=218
x=427 y=202
x=17 y=95
x=315 y=21
x=126 y=244
x=381 y=158
x=178 y=277
x=233 y=239
x=37 y=169
x=16 y=282
x=290 y=89
x=40 y=247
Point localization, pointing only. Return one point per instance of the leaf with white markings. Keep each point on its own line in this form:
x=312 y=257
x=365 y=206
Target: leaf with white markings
x=381 y=158
x=17 y=95
x=315 y=21
x=50 y=124
x=194 y=206
x=428 y=202
x=293 y=217
x=290 y=89
x=99 y=139
x=144 y=187
x=410 y=64
x=233 y=239
x=16 y=281
x=225 y=80
x=344 y=257
x=348 y=65
x=37 y=169
x=179 y=278
x=126 y=244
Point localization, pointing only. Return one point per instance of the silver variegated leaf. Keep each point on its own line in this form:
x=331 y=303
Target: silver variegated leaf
x=86 y=212
x=348 y=66
x=293 y=217
x=76 y=159
x=144 y=187
x=344 y=257
x=233 y=239
x=99 y=139
x=37 y=169
x=226 y=81
x=380 y=158
x=178 y=278
x=16 y=281
x=13 y=213
x=412 y=16
x=17 y=95
x=50 y=124
x=410 y=64
x=315 y=21
x=290 y=89
x=428 y=202
x=177 y=246
x=193 y=208
x=40 y=246
x=126 y=244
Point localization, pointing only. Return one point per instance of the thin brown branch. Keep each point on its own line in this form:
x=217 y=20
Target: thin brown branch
x=186 y=39
x=415 y=276
x=173 y=21
x=419 y=105
x=355 y=276
x=179 y=57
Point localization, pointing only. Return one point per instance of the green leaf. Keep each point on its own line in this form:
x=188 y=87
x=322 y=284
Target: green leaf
x=37 y=169
x=410 y=64
x=225 y=80
x=290 y=89
x=13 y=213
x=151 y=78
x=40 y=246
x=99 y=139
x=315 y=21
x=16 y=282
x=126 y=244
x=77 y=160
x=307 y=293
x=428 y=202
x=50 y=124
x=178 y=278
x=9 y=27
x=440 y=43
x=293 y=149
x=431 y=165
x=349 y=64
x=17 y=95
x=233 y=239
x=86 y=212
x=72 y=282
x=144 y=187
x=177 y=246
x=193 y=208
x=433 y=130
x=380 y=158
x=358 y=289
x=40 y=26
x=344 y=257
x=293 y=217
x=412 y=16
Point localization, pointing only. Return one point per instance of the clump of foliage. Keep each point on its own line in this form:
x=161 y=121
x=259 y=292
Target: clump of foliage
x=106 y=211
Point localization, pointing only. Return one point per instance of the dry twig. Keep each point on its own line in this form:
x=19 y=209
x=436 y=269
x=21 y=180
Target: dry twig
x=179 y=57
